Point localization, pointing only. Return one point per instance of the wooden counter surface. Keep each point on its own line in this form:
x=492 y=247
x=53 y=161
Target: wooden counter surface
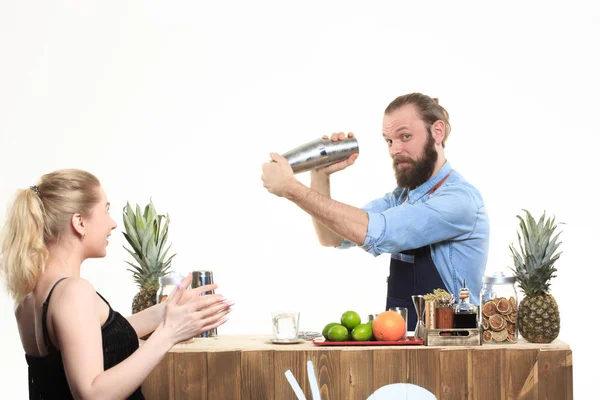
x=232 y=367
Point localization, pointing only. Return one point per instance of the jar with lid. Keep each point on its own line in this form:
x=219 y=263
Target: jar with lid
x=167 y=284
x=498 y=309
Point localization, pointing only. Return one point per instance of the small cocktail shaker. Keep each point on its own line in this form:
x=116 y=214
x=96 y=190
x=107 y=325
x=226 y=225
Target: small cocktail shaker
x=201 y=278
x=320 y=153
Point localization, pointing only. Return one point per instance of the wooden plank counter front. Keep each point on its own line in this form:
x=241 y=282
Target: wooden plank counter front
x=234 y=367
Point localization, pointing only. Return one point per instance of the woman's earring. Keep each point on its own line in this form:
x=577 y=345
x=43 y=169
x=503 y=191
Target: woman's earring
x=83 y=236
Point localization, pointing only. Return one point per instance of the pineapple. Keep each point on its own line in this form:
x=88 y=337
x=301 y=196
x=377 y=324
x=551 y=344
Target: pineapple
x=147 y=234
x=538 y=317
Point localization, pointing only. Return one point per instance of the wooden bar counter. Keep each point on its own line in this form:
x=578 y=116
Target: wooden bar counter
x=232 y=367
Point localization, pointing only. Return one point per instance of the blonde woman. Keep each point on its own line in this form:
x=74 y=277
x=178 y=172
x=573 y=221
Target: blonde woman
x=76 y=345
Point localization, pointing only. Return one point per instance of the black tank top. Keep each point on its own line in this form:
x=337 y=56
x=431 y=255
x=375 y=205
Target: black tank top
x=47 y=379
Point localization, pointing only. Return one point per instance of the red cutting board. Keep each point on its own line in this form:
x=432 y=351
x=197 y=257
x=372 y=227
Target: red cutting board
x=410 y=340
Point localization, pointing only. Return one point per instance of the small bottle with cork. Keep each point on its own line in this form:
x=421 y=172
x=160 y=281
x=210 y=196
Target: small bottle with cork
x=465 y=313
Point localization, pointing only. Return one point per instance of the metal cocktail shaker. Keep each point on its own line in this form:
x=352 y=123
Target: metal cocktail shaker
x=320 y=153
x=201 y=278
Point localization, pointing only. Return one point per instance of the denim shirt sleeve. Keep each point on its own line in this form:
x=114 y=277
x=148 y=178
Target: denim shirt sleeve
x=451 y=212
x=376 y=206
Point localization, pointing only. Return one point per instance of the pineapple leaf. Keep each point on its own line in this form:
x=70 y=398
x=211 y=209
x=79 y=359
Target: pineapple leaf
x=130 y=233
x=147 y=237
x=168 y=262
x=163 y=240
x=128 y=211
x=150 y=213
x=157 y=229
x=140 y=222
x=164 y=233
x=134 y=255
x=152 y=251
x=133 y=244
x=137 y=270
x=162 y=257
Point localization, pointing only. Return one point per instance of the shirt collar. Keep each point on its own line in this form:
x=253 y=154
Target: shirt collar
x=420 y=191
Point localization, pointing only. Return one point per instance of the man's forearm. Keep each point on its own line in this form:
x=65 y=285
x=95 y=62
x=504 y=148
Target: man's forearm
x=321 y=184
x=342 y=220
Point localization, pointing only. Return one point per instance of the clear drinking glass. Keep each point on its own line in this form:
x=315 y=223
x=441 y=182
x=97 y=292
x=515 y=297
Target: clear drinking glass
x=404 y=312
x=285 y=325
x=167 y=285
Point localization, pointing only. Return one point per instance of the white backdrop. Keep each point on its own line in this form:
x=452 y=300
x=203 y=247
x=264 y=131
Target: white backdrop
x=182 y=101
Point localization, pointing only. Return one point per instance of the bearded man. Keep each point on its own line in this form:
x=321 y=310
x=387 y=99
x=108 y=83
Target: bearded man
x=434 y=223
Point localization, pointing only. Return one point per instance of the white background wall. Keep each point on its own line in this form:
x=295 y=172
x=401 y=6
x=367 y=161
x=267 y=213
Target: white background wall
x=182 y=101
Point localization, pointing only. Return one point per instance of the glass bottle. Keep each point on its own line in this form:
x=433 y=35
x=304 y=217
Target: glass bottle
x=465 y=313
x=498 y=309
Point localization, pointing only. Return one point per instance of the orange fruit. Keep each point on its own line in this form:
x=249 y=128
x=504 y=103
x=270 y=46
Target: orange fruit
x=389 y=326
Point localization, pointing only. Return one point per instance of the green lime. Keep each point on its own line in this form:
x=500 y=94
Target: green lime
x=337 y=333
x=326 y=329
x=350 y=319
x=362 y=333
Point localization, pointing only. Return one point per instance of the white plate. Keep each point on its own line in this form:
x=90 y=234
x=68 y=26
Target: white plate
x=286 y=341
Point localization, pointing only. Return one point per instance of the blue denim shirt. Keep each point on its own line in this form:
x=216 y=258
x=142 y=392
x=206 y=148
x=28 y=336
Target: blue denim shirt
x=452 y=220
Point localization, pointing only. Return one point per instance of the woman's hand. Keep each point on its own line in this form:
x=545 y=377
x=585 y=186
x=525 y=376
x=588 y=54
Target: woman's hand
x=188 y=313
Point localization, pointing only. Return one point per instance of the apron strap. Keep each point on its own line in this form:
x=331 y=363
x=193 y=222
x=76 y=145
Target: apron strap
x=440 y=183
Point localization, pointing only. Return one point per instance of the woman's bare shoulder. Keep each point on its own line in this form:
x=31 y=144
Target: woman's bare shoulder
x=74 y=290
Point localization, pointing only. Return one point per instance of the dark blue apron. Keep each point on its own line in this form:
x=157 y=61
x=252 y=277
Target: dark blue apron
x=413 y=272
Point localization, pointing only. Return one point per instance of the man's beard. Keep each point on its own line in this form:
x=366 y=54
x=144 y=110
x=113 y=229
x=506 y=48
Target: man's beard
x=419 y=171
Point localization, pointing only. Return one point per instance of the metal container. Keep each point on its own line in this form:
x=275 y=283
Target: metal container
x=201 y=278
x=320 y=153
x=419 y=302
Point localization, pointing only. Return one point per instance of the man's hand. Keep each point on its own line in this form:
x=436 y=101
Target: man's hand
x=330 y=169
x=277 y=175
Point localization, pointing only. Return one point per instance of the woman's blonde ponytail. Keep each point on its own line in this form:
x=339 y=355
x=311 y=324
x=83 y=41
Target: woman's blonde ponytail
x=22 y=244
